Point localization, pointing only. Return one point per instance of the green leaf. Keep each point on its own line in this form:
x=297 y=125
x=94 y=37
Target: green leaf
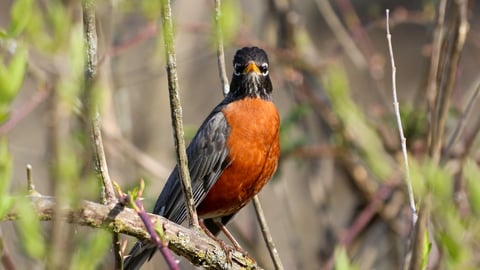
x=12 y=75
x=471 y=173
x=230 y=20
x=91 y=251
x=356 y=126
x=16 y=70
x=20 y=16
x=341 y=261
x=427 y=247
x=6 y=203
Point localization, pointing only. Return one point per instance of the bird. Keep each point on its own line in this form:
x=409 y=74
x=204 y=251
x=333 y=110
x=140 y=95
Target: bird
x=231 y=157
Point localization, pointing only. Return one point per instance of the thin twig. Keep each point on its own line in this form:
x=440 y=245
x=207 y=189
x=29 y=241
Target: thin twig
x=117 y=252
x=26 y=108
x=176 y=112
x=5 y=258
x=442 y=101
x=461 y=122
x=267 y=236
x=432 y=87
x=341 y=33
x=400 y=127
x=30 y=185
x=418 y=243
x=222 y=73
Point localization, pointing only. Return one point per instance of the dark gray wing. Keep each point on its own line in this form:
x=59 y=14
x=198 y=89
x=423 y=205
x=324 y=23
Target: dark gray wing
x=207 y=158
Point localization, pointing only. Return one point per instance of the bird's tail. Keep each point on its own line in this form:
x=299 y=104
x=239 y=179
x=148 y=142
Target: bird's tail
x=140 y=253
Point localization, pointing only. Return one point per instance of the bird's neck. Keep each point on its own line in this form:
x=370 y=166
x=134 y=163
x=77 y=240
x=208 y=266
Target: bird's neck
x=241 y=90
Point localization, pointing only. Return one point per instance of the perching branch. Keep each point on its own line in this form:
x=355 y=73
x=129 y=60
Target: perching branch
x=198 y=248
x=176 y=112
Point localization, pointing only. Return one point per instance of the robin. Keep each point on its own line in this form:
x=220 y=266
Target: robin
x=233 y=155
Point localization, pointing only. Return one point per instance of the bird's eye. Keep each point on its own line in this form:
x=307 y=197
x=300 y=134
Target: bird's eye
x=264 y=69
x=237 y=69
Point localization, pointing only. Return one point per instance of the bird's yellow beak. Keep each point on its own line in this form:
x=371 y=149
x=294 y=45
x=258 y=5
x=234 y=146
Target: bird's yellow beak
x=251 y=67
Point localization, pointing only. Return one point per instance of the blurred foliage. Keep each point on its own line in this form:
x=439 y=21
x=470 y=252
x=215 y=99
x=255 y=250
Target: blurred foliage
x=342 y=262
x=91 y=250
x=229 y=22
x=289 y=139
x=356 y=128
x=11 y=79
x=29 y=229
x=6 y=163
x=472 y=172
x=55 y=31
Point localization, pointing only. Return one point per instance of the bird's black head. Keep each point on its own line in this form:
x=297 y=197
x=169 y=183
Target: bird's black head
x=250 y=74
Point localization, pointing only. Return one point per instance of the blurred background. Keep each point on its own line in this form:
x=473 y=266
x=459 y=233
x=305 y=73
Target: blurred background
x=339 y=195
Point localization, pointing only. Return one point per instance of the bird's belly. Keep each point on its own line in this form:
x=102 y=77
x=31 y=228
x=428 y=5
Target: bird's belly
x=254 y=148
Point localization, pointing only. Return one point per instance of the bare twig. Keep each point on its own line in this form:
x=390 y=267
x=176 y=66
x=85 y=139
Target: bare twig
x=195 y=246
x=176 y=112
x=400 y=127
x=341 y=33
x=442 y=99
x=364 y=218
x=30 y=185
x=461 y=122
x=26 y=108
x=418 y=244
x=222 y=73
x=432 y=87
x=147 y=32
x=5 y=258
x=267 y=236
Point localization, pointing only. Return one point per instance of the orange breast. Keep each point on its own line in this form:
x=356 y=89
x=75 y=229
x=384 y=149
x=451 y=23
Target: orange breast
x=254 y=149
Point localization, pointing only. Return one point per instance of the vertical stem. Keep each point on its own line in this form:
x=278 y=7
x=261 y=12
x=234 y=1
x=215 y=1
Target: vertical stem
x=176 y=112
x=399 y=125
x=91 y=41
x=267 y=236
x=222 y=73
x=90 y=32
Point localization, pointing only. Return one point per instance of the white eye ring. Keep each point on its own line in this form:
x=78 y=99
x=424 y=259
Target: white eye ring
x=236 y=66
x=264 y=69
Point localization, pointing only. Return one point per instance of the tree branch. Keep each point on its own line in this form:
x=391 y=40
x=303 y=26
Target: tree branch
x=198 y=248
